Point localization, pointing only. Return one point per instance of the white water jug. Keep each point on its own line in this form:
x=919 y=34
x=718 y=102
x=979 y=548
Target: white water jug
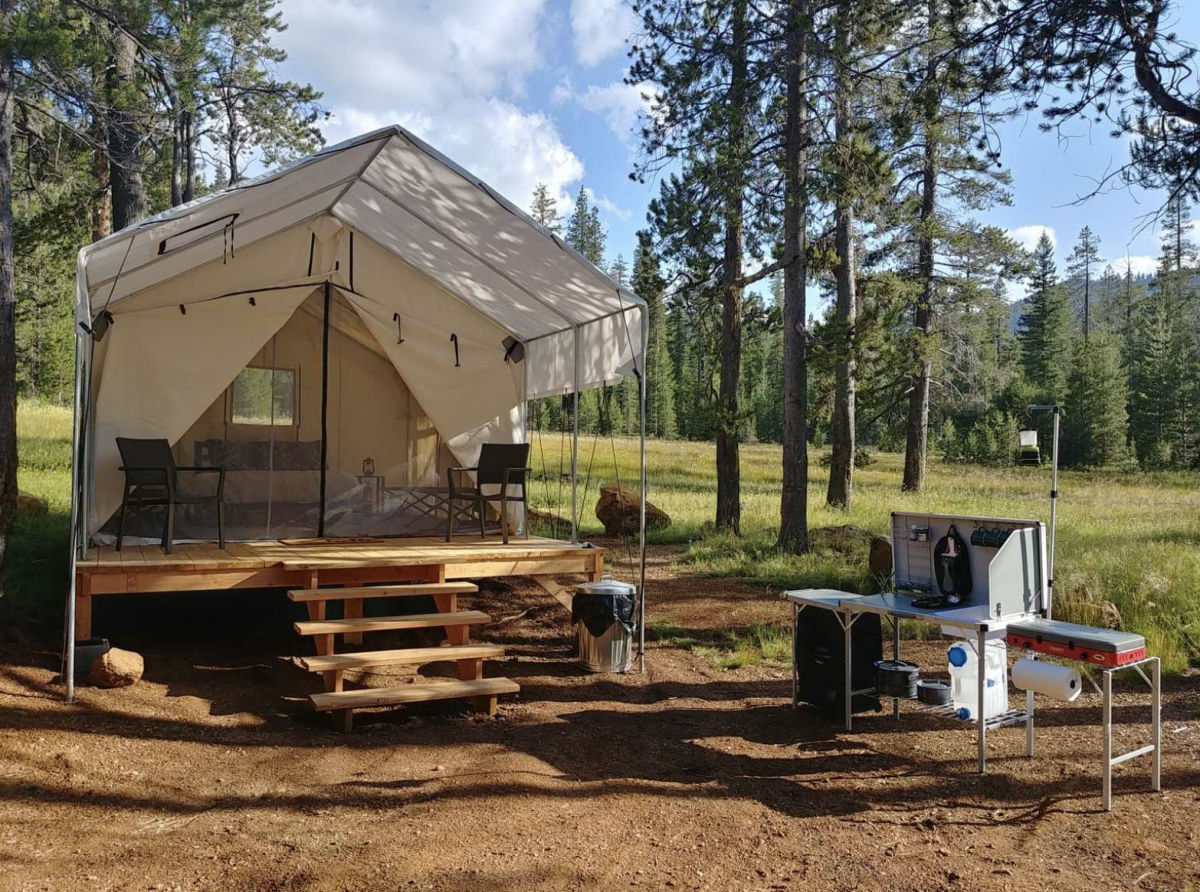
x=964 y=679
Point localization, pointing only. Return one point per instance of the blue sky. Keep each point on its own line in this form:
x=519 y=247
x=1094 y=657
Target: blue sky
x=521 y=91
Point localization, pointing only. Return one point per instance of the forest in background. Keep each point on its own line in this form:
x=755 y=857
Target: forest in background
x=1120 y=350
x=841 y=148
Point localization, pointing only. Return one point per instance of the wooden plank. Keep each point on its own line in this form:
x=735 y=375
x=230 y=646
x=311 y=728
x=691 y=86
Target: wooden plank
x=555 y=590
x=528 y=567
x=189 y=580
x=83 y=606
x=413 y=693
x=352 y=609
x=382 y=591
x=409 y=656
x=383 y=623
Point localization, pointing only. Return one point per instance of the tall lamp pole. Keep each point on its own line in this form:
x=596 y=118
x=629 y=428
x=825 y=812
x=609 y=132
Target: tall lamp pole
x=1057 y=411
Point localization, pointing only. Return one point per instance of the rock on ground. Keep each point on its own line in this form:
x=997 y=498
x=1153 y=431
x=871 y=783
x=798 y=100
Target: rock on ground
x=619 y=509
x=117 y=669
x=29 y=503
x=880 y=559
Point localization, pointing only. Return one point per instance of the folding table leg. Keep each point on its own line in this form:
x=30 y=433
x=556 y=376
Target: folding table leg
x=1029 y=724
x=981 y=656
x=795 y=666
x=1106 y=720
x=895 y=656
x=847 y=628
x=1156 y=723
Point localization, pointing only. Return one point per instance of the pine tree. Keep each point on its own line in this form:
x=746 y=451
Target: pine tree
x=584 y=232
x=1084 y=260
x=1179 y=251
x=1045 y=331
x=1153 y=381
x=1094 y=425
x=544 y=209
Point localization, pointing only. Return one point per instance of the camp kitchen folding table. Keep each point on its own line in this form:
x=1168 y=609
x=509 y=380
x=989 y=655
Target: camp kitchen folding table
x=1009 y=600
x=969 y=622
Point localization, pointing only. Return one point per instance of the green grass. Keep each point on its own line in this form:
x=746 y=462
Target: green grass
x=1127 y=551
x=36 y=571
x=761 y=643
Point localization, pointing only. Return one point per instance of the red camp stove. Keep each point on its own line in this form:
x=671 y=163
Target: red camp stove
x=1068 y=641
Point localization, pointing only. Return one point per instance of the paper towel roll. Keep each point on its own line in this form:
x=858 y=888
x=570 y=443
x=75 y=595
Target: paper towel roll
x=1060 y=682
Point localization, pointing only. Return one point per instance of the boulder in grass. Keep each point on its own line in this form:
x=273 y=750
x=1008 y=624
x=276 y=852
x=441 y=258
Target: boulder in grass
x=117 y=669
x=619 y=509
x=880 y=559
x=30 y=504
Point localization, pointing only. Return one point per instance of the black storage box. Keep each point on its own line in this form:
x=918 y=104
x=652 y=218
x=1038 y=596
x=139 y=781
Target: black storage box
x=820 y=663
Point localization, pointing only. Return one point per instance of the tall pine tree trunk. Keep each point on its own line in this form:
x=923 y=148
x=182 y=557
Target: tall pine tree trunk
x=8 y=333
x=729 y=486
x=189 y=155
x=177 y=163
x=101 y=208
x=841 y=471
x=916 y=445
x=124 y=137
x=793 y=501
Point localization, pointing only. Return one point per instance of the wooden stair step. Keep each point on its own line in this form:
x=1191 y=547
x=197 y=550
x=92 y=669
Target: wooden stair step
x=413 y=693
x=410 y=656
x=383 y=623
x=384 y=591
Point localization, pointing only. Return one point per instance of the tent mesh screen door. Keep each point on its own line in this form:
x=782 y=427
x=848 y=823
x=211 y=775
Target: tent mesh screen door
x=320 y=389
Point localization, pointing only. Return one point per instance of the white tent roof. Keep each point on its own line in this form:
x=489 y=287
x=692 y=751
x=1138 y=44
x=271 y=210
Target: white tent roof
x=412 y=201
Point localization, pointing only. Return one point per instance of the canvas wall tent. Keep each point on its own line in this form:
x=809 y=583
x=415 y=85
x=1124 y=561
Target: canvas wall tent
x=372 y=304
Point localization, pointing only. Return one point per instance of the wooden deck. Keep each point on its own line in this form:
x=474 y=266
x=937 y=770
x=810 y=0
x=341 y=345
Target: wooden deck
x=205 y=567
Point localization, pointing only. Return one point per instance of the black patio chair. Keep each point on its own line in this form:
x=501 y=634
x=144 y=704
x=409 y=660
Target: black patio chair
x=500 y=464
x=151 y=481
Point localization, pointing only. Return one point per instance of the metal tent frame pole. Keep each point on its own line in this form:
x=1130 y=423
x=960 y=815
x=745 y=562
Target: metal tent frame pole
x=575 y=449
x=641 y=376
x=76 y=475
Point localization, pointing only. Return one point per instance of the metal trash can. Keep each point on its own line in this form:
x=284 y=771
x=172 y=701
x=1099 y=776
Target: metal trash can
x=603 y=613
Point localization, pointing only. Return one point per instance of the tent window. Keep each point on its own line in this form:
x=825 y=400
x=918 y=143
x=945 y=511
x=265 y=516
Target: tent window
x=264 y=396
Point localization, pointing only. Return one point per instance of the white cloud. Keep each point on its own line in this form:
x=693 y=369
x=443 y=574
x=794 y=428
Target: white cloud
x=1027 y=236
x=431 y=54
x=510 y=149
x=563 y=92
x=1141 y=264
x=600 y=28
x=621 y=105
x=453 y=73
x=607 y=205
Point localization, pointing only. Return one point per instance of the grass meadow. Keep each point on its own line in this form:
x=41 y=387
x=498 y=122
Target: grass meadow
x=1128 y=544
x=1128 y=550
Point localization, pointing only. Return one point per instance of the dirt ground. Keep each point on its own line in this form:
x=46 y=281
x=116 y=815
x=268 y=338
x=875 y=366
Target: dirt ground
x=211 y=774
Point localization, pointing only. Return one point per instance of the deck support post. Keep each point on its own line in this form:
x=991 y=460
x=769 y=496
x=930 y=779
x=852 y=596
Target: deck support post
x=83 y=607
x=352 y=609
